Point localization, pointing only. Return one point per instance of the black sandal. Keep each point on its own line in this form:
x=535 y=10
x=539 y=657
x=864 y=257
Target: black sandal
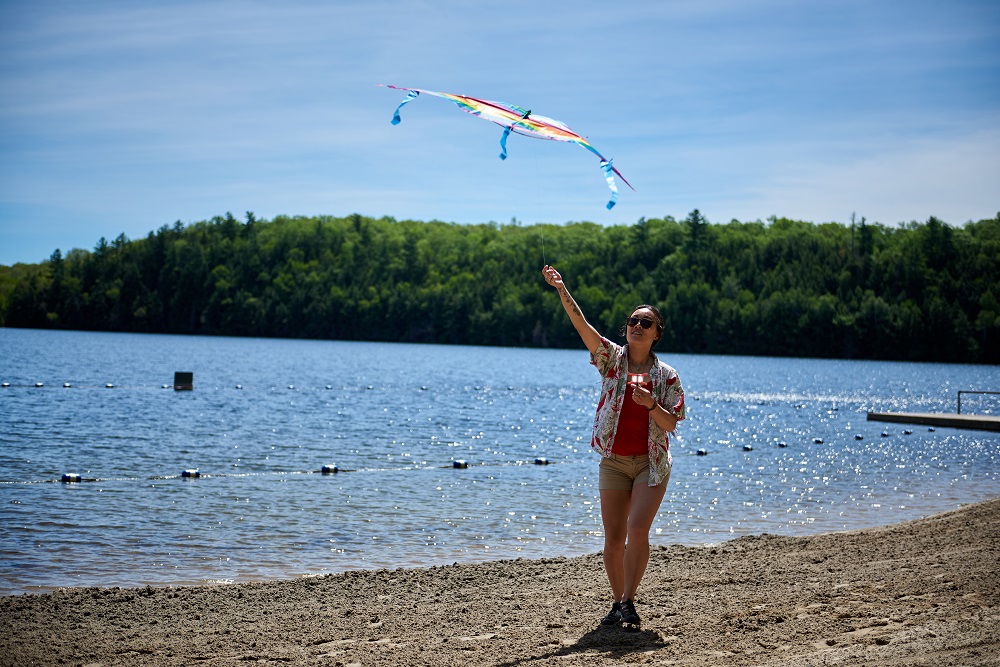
x=614 y=616
x=630 y=619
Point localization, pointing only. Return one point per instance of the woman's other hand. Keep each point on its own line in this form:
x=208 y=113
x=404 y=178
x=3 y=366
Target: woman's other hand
x=642 y=396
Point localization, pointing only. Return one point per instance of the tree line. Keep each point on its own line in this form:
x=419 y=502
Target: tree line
x=922 y=291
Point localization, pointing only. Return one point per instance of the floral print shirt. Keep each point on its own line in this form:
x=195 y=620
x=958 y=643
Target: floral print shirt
x=612 y=362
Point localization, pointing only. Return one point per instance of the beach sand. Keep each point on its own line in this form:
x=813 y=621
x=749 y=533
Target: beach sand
x=925 y=592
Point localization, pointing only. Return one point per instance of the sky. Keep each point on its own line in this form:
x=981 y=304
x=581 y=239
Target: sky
x=120 y=117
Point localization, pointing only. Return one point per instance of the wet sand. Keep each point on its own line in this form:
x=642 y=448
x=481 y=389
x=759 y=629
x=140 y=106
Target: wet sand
x=924 y=592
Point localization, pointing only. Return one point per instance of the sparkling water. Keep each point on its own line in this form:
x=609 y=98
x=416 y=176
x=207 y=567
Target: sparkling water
x=442 y=454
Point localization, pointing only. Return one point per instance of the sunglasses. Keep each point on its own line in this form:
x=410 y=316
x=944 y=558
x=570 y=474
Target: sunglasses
x=636 y=321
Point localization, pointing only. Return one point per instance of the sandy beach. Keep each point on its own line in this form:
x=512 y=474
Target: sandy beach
x=925 y=592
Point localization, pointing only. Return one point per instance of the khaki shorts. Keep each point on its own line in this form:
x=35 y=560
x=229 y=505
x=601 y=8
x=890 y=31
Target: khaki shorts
x=623 y=473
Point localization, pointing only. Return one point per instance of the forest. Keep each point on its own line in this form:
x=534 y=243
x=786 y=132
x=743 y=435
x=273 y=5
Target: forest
x=923 y=291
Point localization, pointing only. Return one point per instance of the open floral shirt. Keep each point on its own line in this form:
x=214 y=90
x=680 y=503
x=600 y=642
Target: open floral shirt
x=612 y=362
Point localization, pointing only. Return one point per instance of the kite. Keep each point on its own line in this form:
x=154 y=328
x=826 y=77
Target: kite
x=519 y=121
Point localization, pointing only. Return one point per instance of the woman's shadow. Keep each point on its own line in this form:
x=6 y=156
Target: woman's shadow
x=614 y=643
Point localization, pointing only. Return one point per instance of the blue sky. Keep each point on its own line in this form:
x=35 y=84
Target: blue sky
x=120 y=117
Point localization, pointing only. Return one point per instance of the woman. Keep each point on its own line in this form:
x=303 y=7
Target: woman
x=641 y=400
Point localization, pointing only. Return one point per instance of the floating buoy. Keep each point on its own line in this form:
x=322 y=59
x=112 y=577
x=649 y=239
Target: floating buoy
x=70 y=477
x=747 y=448
x=329 y=470
x=859 y=437
x=191 y=472
x=541 y=461
x=183 y=380
x=459 y=464
x=818 y=441
x=702 y=452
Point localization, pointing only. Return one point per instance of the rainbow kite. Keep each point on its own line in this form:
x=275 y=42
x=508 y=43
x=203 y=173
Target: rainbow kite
x=520 y=121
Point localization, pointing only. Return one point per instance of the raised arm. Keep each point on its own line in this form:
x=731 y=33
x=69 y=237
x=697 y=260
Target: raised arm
x=588 y=333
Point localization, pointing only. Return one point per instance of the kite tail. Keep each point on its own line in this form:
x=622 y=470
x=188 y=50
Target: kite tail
x=503 y=142
x=609 y=176
x=506 y=133
x=410 y=96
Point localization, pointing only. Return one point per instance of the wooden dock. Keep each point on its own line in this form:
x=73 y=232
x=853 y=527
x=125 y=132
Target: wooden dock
x=975 y=422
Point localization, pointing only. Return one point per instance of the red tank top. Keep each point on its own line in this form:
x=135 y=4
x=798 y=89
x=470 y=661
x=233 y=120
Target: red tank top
x=632 y=436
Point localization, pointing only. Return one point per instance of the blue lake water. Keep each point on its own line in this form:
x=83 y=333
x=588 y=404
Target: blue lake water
x=789 y=451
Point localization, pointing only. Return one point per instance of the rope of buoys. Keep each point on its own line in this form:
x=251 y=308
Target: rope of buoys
x=293 y=387
x=326 y=469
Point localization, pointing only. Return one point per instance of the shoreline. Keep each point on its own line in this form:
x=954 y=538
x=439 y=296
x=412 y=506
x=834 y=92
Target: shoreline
x=921 y=592
x=698 y=540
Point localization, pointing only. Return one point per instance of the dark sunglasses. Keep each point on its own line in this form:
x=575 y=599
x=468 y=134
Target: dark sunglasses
x=636 y=321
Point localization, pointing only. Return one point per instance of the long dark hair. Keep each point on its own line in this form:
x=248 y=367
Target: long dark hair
x=657 y=318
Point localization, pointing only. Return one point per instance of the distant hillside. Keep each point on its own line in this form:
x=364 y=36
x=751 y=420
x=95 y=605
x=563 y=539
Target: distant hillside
x=926 y=291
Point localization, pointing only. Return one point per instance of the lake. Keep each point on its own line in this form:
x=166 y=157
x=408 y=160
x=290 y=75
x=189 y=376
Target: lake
x=786 y=450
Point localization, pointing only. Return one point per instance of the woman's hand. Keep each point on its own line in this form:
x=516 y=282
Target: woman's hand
x=643 y=396
x=552 y=277
x=587 y=333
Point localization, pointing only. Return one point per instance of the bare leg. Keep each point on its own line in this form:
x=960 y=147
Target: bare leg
x=615 y=507
x=645 y=502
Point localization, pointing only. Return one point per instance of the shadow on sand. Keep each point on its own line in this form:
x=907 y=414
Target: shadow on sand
x=614 y=643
